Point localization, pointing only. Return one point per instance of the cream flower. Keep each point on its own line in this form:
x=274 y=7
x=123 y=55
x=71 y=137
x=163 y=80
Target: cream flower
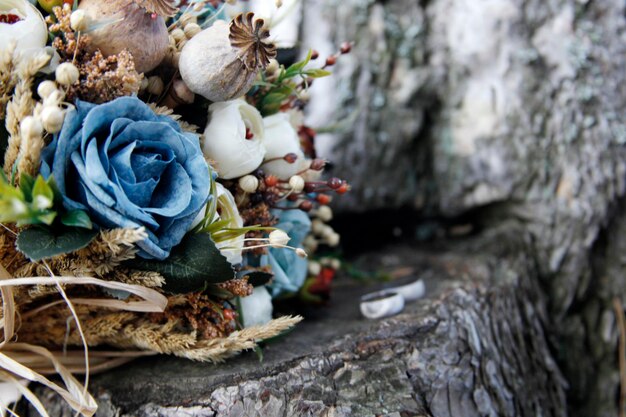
x=226 y=210
x=21 y=22
x=256 y=308
x=234 y=138
x=280 y=139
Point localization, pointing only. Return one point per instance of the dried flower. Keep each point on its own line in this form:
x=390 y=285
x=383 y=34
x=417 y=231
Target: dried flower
x=296 y=183
x=249 y=183
x=134 y=29
x=52 y=118
x=31 y=127
x=45 y=88
x=79 y=20
x=101 y=79
x=324 y=213
x=222 y=62
x=66 y=73
x=165 y=8
x=278 y=238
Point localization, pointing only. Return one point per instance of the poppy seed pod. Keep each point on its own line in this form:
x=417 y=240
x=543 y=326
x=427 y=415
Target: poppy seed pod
x=221 y=63
x=135 y=25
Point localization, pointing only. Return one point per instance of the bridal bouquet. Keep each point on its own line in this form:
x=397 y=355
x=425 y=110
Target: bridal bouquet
x=159 y=186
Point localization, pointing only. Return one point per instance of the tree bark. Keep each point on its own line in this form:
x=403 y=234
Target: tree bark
x=507 y=114
x=505 y=111
x=474 y=347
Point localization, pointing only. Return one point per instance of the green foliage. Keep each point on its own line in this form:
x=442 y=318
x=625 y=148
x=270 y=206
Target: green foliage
x=220 y=230
x=30 y=203
x=44 y=242
x=192 y=265
x=270 y=96
x=76 y=218
x=36 y=202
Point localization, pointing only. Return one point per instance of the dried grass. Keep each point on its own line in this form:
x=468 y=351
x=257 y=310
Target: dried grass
x=166 y=111
x=21 y=105
x=8 y=76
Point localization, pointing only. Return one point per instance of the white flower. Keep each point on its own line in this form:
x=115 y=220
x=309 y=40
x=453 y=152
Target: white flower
x=226 y=210
x=281 y=139
x=28 y=31
x=256 y=308
x=234 y=138
x=278 y=238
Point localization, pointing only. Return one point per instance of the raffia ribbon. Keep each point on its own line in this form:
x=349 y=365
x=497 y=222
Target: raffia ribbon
x=29 y=362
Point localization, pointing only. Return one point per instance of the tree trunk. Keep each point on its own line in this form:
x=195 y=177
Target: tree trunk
x=506 y=114
x=475 y=347
x=500 y=110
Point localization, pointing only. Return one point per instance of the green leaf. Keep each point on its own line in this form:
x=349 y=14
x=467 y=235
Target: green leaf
x=45 y=217
x=218 y=292
x=58 y=196
x=256 y=278
x=26 y=185
x=42 y=242
x=192 y=265
x=77 y=218
x=296 y=68
x=317 y=73
x=42 y=189
x=260 y=83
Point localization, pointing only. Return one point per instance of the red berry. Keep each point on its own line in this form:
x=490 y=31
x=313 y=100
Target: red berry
x=318 y=164
x=292 y=197
x=331 y=60
x=343 y=189
x=271 y=180
x=323 y=199
x=306 y=206
x=346 y=47
x=309 y=187
x=290 y=158
x=314 y=54
x=229 y=314
x=334 y=183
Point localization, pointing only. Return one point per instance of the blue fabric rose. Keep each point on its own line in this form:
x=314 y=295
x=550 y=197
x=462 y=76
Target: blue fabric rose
x=288 y=268
x=129 y=167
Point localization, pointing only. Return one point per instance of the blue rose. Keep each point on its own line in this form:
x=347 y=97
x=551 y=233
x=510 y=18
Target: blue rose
x=289 y=269
x=128 y=167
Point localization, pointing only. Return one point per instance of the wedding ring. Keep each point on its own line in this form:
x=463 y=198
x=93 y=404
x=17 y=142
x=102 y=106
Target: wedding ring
x=381 y=304
x=412 y=291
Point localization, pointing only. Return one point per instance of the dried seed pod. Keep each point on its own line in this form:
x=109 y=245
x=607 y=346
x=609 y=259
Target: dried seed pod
x=135 y=25
x=221 y=62
x=67 y=73
x=178 y=94
x=52 y=118
x=163 y=8
x=191 y=30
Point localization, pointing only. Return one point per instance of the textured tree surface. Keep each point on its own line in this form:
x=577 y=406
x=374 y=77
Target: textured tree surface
x=500 y=111
x=506 y=115
x=474 y=347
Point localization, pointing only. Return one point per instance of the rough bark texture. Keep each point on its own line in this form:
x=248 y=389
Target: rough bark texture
x=473 y=348
x=506 y=111
x=511 y=110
